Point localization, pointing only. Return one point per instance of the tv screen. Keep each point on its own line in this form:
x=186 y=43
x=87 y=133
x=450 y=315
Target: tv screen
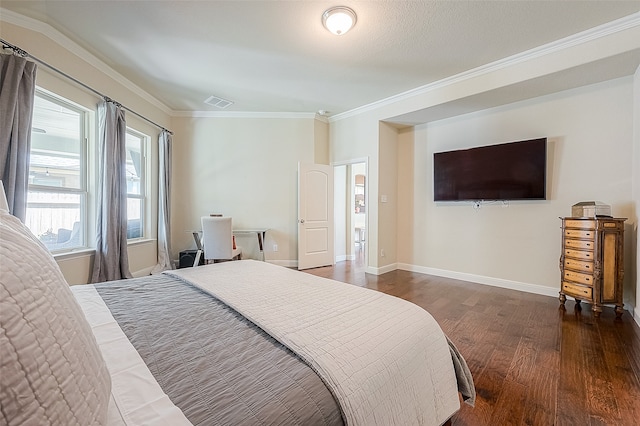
x=509 y=171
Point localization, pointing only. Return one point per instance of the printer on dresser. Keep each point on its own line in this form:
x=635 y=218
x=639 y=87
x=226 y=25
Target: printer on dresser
x=592 y=262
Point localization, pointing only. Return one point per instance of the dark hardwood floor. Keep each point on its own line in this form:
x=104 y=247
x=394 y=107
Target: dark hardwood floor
x=532 y=363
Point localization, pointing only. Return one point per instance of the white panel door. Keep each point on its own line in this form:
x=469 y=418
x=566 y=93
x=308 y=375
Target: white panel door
x=315 y=215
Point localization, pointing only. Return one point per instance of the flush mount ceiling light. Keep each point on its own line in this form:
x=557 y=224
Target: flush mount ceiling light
x=339 y=19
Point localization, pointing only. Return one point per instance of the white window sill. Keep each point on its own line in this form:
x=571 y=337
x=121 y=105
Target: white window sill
x=86 y=251
x=79 y=252
x=135 y=242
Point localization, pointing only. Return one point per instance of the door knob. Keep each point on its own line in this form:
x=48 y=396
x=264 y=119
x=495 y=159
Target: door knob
x=301 y=220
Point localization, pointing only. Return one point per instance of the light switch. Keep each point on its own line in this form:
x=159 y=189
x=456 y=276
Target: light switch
x=383 y=198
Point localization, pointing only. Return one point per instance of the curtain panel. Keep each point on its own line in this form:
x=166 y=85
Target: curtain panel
x=164 y=202
x=111 y=260
x=17 y=91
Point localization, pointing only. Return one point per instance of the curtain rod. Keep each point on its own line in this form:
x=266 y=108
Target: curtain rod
x=25 y=54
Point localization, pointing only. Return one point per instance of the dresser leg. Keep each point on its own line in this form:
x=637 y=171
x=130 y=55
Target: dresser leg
x=596 y=310
x=562 y=298
x=619 y=310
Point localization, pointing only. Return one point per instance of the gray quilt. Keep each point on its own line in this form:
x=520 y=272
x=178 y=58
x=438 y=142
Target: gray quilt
x=215 y=365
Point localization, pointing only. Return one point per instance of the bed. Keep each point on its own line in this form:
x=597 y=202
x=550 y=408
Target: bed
x=232 y=343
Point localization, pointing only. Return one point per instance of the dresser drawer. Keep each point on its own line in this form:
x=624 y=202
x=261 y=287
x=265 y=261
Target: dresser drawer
x=577 y=290
x=612 y=225
x=578 y=244
x=577 y=233
x=578 y=265
x=579 y=254
x=578 y=277
x=584 y=224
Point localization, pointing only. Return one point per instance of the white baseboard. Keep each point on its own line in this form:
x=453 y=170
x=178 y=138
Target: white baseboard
x=343 y=257
x=480 y=279
x=381 y=270
x=285 y=263
x=143 y=272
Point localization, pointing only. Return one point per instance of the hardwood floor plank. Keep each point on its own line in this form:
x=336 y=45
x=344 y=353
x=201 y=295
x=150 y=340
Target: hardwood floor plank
x=627 y=392
x=506 y=412
x=630 y=335
x=542 y=336
x=541 y=398
x=523 y=362
x=600 y=397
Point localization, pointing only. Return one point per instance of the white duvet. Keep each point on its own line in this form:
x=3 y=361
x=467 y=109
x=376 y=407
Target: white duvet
x=385 y=359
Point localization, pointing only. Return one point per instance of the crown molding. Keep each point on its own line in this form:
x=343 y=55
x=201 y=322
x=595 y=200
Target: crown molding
x=322 y=118
x=244 y=114
x=73 y=47
x=622 y=24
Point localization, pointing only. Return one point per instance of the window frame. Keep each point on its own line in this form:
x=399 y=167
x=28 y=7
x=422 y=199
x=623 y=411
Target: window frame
x=142 y=196
x=82 y=191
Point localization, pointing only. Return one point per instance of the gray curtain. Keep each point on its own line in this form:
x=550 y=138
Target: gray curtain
x=164 y=202
x=17 y=90
x=111 y=260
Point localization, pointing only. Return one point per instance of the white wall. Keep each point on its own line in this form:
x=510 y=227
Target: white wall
x=406 y=211
x=387 y=198
x=590 y=148
x=245 y=168
x=340 y=208
x=321 y=140
x=353 y=140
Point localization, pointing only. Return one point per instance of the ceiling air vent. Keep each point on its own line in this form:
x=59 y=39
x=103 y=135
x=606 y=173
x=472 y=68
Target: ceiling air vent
x=218 y=102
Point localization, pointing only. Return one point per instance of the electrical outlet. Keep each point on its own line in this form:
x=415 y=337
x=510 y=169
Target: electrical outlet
x=382 y=253
x=275 y=247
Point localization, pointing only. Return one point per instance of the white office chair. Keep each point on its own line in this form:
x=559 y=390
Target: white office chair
x=217 y=240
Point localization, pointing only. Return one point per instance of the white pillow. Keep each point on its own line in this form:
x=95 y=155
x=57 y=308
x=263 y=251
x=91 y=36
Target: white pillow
x=51 y=369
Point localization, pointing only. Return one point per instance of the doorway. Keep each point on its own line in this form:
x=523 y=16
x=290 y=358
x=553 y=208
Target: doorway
x=350 y=212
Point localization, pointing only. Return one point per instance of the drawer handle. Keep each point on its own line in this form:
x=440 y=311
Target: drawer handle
x=566 y=287
x=587 y=234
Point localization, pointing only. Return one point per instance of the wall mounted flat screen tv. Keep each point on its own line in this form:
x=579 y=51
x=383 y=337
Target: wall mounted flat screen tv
x=509 y=171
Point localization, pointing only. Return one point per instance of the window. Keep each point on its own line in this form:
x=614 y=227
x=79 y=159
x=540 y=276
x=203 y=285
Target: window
x=56 y=202
x=135 y=170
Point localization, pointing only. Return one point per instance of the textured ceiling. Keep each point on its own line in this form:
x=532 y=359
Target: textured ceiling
x=275 y=56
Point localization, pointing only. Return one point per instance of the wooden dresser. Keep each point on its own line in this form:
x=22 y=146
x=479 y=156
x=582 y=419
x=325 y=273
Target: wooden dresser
x=592 y=262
